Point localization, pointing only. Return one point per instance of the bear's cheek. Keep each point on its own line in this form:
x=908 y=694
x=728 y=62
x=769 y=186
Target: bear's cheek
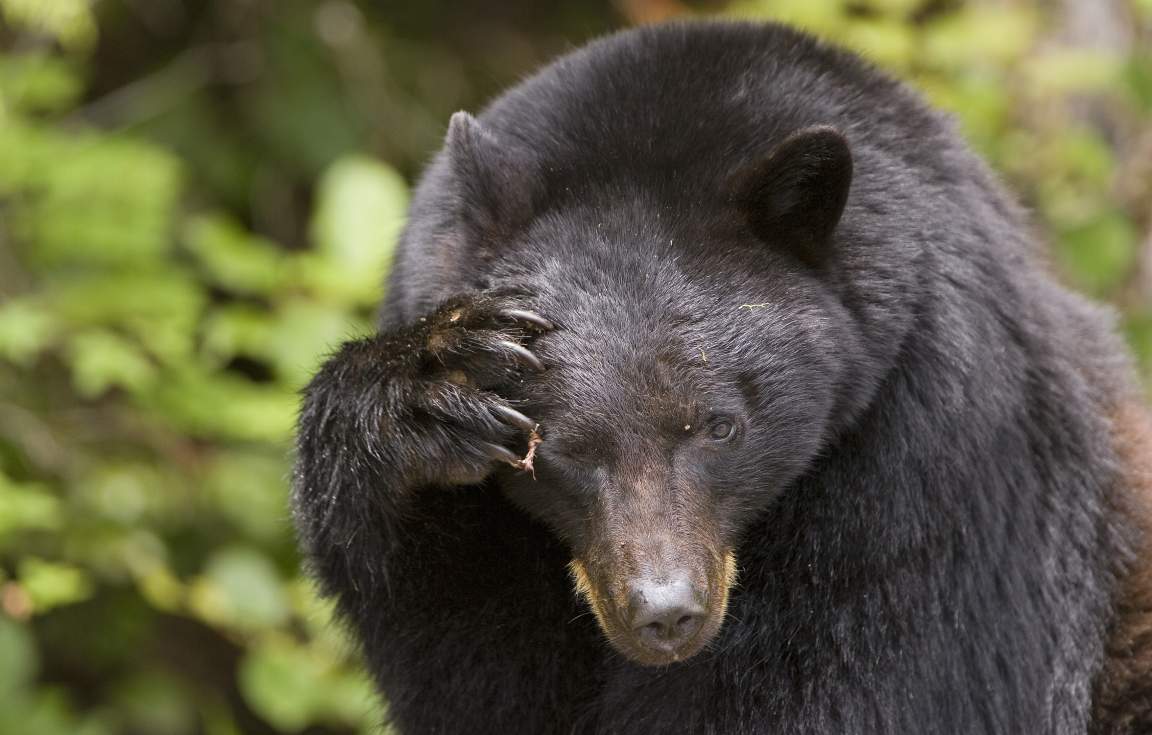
x=561 y=500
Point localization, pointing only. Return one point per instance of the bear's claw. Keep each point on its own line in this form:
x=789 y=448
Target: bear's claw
x=523 y=355
x=515 y=418
x=499 y=453
x=528 y=316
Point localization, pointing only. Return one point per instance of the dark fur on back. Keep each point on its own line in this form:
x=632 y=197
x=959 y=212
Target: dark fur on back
x=942 y=551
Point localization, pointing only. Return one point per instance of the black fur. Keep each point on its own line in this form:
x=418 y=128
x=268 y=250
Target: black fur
x=919 y=490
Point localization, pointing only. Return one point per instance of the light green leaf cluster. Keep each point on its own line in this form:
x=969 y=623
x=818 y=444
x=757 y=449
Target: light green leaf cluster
x=152 y=349
x=68 y=21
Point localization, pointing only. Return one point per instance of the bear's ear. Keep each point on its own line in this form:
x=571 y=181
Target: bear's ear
x=794 y=198
x=496 y=185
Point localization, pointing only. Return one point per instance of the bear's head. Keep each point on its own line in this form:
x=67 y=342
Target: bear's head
x=700 y=363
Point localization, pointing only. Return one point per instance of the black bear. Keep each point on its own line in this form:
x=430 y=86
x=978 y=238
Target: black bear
x=719 y=388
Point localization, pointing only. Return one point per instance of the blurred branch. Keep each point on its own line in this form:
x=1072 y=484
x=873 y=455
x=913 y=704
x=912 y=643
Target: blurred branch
x=149 y=96
x=34 y=438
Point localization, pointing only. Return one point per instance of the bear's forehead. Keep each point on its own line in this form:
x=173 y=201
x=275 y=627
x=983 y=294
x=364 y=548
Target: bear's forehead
x=608 y=386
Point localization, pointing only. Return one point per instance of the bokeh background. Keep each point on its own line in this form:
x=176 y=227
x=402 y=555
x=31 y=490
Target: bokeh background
x=197 y=201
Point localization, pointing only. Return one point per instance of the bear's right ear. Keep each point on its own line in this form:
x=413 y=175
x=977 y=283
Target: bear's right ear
x=497 y=186
x=794 y=198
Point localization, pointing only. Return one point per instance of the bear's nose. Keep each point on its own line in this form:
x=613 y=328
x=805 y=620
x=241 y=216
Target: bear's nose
x=665 y=615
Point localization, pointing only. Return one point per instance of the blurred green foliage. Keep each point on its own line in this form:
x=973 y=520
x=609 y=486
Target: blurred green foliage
x=198 y=201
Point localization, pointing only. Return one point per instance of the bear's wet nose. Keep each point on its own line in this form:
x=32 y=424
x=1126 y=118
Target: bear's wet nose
x=665 y=615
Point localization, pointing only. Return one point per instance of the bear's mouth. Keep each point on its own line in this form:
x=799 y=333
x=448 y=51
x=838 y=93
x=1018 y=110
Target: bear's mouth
x=658 y=618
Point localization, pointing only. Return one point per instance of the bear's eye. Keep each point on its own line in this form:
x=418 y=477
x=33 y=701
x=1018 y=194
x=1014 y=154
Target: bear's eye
x=721 y=430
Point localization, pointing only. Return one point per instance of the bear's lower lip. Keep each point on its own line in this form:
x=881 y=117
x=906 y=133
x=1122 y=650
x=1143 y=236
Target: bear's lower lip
x=671 y=654
x=646 y=654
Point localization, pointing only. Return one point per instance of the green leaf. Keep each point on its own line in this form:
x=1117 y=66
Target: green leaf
x=96 y=200
x=326 y=281
x=278 y=681
x=977 y=98
x=37 y=82
x=27 y=327
x=306 y=332
x=1066 y=71
x=1005 y=34
x=26 y=507
x=124 y=491
x=292 y=686
x=1099 y=253
x=240 y=588
x=360 y=211
x=223 y=406
x=52 y=584
x=1085 y=155
x=885 y=42
x=69 y=21
x=23 y=149
x=350 y=697
x=159 y=308
x=237 y=329
x=234 y=258
x=102 y=360
x=249 y=487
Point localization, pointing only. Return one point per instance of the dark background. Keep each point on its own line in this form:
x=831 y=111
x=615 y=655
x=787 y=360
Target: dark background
x=197 y=201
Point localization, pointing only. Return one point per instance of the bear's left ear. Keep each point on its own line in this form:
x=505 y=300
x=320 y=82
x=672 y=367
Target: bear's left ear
x=497 y=185
x=795 y=197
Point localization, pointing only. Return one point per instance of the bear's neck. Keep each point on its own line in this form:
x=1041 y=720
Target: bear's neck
x=963 y=516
